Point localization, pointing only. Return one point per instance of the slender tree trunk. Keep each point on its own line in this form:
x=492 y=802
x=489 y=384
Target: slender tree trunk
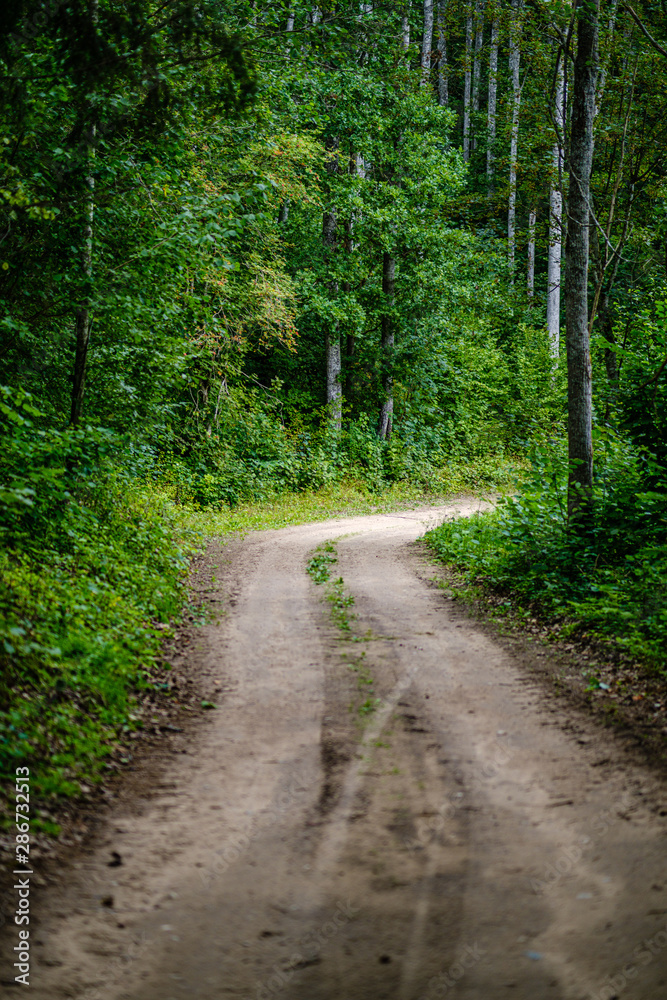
x=388 y=288
x=467 y=86
x=427 y=43
x=514 y=64
x=602 y=72
x=357 y=167
x=405 y=31
x=443 y=69
x=556 y=216
x=532 y=222
x=83 y=318
x=579 y=388
x=491 y=107
x=477 y=61
x=332 y=336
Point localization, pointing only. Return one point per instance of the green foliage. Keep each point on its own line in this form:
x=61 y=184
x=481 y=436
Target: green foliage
x=202 y=150
x=609 y=583
x=319 y=570
x=90 y=565
x=319 y=566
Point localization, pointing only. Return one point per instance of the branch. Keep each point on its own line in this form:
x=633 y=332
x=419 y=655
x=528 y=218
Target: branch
x=644 y=31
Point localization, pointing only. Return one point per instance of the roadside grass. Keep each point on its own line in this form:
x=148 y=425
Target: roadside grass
x=609 y=586
x=92 y=583
x=346 y=498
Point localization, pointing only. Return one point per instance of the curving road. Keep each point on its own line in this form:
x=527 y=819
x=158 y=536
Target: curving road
x=471 y=837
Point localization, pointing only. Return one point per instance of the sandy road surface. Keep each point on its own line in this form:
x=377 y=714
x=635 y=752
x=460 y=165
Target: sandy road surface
x=471 y=838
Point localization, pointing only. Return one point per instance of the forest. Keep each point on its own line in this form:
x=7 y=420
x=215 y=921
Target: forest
x=321 y=256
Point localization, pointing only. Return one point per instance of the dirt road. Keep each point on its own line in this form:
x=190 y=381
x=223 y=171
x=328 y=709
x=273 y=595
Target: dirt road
x=469 y=837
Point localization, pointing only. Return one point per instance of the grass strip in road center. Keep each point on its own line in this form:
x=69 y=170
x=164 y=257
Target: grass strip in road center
x=319 y=566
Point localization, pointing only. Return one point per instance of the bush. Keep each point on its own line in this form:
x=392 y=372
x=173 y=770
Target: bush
x=90 y=562
x=612 y=582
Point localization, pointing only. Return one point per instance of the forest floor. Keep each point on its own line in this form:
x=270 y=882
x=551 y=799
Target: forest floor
x=387 y=802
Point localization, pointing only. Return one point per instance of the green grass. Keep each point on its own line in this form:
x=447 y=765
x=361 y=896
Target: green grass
x=83 y=610
x=348 y=497
x=341 y=601
x=523 y=559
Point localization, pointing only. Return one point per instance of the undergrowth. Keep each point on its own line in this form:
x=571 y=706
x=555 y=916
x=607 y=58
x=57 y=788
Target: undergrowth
x=609 y=583
x=96 y=545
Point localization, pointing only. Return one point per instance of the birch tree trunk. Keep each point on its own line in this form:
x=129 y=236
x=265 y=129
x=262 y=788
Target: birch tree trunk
x=532 y=222
x=283 y=211
x=477 y=62
x=332 y=335
x=514 y=64
x=388 y=288
x=443 y=70
x=556 y=216
x=405 y=32
x=467 y=86
x=579 y=388
x=491 y=106
x=427 y=43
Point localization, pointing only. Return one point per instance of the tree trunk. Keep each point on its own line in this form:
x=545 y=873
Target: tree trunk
x=405 y=32
x=83 y=318
x=332 y=336
x=467 y=86
x=357 y=167
x=443 y=70
x=602 y=71
x=514 y=62
x=427 y=42
x=477 y=62
x=491 y=107
x=579 y=388
x=532 y=221
x=556 y=217
x=388 y=288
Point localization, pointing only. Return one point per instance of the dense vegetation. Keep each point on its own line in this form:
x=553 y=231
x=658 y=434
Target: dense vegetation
x=247 y=254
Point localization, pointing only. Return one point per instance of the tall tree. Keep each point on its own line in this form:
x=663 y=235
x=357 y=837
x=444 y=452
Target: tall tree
x=332 y=332
x=492 y=102
x=427 y=42
x=467 y=84
x=530 y=273
x=443 y=68
x=477 y=60
x=83 y=320
x=388 y=290
x=556 y=211
x=579 y=378
x=405 y=31
x=514 y=65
